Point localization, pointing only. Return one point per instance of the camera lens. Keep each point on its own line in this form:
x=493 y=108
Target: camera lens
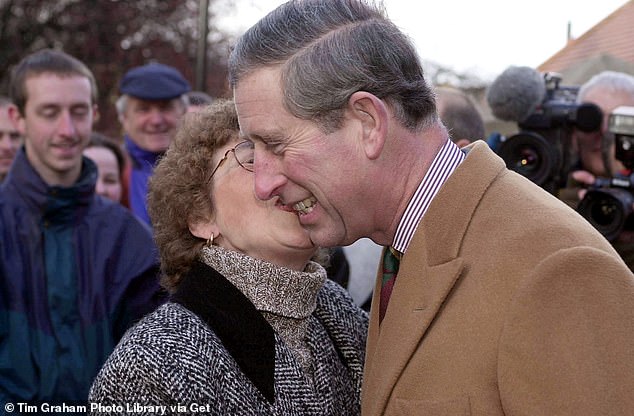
x=529 y=155
x=607 y=210
x=528 y=161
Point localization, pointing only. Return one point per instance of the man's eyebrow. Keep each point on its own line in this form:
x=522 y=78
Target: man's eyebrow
x=49 y=105
x=80 y=105
x=260 y=137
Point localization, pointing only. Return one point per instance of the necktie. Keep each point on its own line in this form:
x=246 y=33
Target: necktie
x=390 y=269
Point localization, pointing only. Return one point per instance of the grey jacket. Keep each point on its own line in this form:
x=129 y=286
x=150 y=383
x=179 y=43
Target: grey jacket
x=210 y=351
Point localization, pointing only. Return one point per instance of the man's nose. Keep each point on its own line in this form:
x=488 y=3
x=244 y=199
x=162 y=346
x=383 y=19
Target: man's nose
x=66 y=126
x=157 y=116
x=269 y=178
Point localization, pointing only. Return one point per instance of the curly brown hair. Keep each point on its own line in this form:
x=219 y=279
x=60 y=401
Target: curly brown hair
x=178 y=189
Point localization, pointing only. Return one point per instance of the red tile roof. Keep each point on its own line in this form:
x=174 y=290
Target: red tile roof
x=613 y=36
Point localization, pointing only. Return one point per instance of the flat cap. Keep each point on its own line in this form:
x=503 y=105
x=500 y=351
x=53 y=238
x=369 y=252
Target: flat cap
x=154 y=82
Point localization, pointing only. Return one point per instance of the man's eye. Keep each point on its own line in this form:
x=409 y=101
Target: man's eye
x=49 y=114
x=275 y=148
x=80 y=113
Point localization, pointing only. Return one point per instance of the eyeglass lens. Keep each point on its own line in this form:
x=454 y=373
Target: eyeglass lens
x=244 y=155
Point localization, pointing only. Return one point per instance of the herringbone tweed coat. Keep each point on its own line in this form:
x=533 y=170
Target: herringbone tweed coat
x=210 y=348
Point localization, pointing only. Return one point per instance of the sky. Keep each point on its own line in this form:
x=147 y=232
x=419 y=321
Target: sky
x=482 y=37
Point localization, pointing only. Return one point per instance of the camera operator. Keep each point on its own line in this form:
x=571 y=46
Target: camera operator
x=546 y=113
x=608 y=90
x=596 y=150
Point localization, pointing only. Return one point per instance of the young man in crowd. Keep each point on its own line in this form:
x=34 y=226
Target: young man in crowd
x=76 y=269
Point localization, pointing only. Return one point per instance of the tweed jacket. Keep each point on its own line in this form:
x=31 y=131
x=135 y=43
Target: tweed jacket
x=507 y=302
x=210 y=350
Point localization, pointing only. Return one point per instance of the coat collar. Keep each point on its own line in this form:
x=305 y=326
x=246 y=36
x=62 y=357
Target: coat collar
x=242 y=329
x=27 y=183
x=428 y=271
x=143 y=160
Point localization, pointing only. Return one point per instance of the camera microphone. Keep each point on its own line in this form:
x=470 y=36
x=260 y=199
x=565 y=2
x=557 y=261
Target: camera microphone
x=516 y=93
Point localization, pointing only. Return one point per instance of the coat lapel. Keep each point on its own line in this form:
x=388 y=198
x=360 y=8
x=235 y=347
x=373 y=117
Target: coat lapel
x=418 y=293
x=428 y=271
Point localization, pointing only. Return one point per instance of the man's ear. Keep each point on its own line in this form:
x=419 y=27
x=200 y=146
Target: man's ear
x=16 y=119
x=95 y=114
x=371 y=112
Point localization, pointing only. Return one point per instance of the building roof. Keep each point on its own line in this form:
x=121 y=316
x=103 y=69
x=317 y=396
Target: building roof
x=608 y=42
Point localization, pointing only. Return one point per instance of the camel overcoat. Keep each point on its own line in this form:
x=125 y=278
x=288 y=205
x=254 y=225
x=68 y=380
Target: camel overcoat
x=507 y=302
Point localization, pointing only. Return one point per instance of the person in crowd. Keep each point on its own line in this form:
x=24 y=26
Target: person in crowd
x=459 y=115
x=75 y=269
x=596 y=150
x=10 y=139
x=495 y=297
x=253 y=326
x=110 y=161
x=608 y=90
x=198 y=100
x=153 y=99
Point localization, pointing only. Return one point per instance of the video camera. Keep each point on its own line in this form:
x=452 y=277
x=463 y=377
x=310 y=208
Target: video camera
x=541 y=150
x=608 y=204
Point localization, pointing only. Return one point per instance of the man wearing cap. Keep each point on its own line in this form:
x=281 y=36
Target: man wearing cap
x=153 y=98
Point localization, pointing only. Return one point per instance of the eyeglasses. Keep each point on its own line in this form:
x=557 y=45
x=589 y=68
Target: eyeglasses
x=243 y=152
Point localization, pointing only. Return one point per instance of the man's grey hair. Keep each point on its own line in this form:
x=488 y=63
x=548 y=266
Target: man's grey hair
x=612 y=81
x=328 y=50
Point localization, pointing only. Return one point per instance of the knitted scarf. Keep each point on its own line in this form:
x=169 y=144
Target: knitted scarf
x=286 y=297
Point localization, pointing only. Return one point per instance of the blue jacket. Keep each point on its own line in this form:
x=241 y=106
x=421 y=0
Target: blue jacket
x=143 y=163
x=76 y=270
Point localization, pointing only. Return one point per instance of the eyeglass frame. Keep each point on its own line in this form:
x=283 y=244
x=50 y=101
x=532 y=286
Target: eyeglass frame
x=232 y=150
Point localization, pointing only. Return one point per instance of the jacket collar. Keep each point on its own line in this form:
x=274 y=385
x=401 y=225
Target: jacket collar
x=243 y=330
x=142 y=159
x=31 y=187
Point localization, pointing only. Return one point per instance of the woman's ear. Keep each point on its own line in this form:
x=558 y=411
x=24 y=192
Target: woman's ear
x=202 y=228
x=372 y=115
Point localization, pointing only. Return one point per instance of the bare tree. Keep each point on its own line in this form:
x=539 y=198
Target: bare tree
x=111 y=36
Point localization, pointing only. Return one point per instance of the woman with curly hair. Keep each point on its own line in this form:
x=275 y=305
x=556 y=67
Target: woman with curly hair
x=253 y=327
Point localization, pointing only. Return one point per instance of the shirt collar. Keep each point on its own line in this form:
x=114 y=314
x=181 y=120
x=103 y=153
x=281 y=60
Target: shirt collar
x=443 y=165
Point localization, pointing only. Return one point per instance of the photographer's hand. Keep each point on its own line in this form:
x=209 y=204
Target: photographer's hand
x=583 y=177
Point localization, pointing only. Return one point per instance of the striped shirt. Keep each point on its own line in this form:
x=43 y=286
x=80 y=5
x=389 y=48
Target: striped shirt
x=443 y=165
